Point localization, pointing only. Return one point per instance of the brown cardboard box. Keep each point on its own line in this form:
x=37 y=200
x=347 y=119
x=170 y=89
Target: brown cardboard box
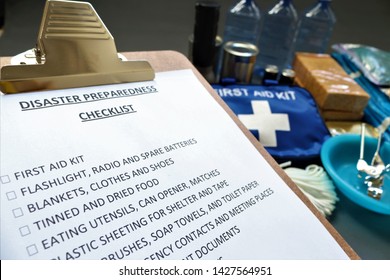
x=341 y=115
x=329 y=84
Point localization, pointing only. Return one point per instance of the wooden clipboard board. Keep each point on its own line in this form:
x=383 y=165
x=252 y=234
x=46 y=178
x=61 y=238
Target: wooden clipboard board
x=162 y=61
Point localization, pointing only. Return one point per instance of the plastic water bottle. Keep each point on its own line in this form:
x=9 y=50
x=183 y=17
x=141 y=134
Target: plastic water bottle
x=242 y=22
x=276 y=37
x=315 y=28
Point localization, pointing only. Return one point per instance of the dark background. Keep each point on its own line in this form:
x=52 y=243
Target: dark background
x=166 y=24
x=141 y=25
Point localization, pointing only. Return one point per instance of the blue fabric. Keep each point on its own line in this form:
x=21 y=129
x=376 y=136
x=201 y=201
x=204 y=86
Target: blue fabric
x=378 y=107
x=294 y=118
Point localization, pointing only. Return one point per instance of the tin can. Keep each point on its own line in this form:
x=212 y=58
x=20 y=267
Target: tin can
x=271 y=73
x=238 y=61
x=287 y=77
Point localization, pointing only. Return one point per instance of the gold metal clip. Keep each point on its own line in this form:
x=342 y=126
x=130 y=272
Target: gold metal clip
x=74 y=49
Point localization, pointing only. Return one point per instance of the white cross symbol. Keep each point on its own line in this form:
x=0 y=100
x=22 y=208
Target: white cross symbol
x=265 y=122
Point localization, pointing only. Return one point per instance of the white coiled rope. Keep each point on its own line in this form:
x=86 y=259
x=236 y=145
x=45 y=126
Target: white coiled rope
x=315 y=183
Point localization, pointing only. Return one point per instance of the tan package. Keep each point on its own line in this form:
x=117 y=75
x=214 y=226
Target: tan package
x=329 y=84
x=351 y=127
x=331 y=115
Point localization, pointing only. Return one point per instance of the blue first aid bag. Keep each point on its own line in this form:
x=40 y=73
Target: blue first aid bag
x=285 y=119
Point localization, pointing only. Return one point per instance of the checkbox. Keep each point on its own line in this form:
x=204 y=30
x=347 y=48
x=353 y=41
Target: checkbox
x=18 y=212
x=24 y=231
x=11 y=195
x=32 y=250
x=5 y=179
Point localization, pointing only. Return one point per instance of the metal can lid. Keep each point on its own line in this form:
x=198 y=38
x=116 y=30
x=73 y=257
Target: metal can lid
x=272 y=69
x=241 y=49
x=290 y=73
x=287 y=77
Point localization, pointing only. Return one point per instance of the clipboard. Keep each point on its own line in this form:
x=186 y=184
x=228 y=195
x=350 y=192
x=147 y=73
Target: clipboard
x=161 y=61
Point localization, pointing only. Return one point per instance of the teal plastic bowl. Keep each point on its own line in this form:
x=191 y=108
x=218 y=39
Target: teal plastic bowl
x=339 y=156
